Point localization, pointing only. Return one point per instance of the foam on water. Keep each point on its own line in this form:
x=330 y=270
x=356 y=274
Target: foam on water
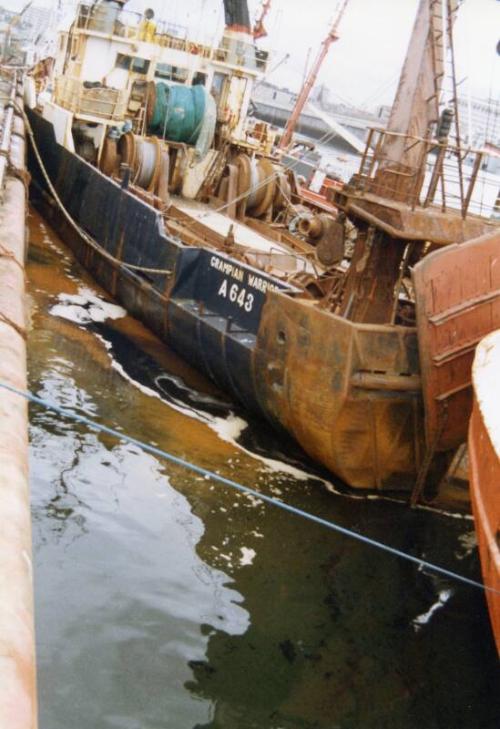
x=86 y=307
x=424 y=618
x=247 y=556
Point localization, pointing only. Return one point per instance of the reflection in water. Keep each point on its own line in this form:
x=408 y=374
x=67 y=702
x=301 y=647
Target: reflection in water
x=165 y=601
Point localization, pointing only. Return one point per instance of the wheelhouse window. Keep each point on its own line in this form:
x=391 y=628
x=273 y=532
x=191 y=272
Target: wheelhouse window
x=132 y=63
x=217 y=85
x=166 y=72
x=123 y=61
x=140 y=65
x=200 y=79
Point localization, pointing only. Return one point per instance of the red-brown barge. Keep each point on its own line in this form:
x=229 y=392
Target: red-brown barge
x=484 y=460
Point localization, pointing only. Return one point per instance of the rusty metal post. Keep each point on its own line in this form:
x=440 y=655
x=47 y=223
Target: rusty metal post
x=475 y=171
x=366 y=152
x=437 y=172
x=18 y=706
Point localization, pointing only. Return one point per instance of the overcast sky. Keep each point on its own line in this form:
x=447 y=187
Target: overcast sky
x=363 y=66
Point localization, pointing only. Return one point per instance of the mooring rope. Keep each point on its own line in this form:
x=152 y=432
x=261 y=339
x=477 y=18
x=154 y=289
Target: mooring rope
x=247 y=490
x=88 y=239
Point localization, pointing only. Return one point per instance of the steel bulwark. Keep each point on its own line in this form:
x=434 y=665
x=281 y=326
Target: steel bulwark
x=349 y=393
x=457 y=293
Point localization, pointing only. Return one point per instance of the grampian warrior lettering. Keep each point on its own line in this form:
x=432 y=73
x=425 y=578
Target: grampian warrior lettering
x=227 y=268
x=261 y=284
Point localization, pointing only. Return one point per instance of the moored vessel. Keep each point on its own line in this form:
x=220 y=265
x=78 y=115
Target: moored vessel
x=333 y=328
x=484 y=463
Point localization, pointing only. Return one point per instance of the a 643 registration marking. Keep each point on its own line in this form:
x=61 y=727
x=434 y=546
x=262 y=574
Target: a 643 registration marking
x=236 y=295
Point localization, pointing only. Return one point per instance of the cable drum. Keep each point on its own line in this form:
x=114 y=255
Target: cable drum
x=256 y=192
x=266 y=172
x=108 y=163
x=283 y=192
x=127 y=150
x=179 y=113
x=256 y=180
x=148 y=156
x=141 y=154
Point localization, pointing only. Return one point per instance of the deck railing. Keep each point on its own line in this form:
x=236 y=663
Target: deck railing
x=73 y=95
x=444 y=175
x=110 y=20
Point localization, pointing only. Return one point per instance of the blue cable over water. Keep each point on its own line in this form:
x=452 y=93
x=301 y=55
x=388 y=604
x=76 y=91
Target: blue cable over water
x=245 y=489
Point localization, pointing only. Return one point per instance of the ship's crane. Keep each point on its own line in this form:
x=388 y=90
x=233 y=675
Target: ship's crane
x=311 y=79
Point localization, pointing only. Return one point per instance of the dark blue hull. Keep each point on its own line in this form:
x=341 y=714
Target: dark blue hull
x=204 y=304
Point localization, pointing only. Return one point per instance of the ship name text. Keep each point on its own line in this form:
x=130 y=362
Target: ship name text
x=253 y=280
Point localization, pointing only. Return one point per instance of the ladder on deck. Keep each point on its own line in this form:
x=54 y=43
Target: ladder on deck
x=442 y=17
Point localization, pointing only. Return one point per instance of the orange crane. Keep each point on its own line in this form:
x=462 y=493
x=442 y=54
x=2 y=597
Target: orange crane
x=311 y=78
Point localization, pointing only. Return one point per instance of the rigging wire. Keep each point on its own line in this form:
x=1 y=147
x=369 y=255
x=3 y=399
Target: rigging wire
x=247 y=490
x=381 y=89
x=88 y=239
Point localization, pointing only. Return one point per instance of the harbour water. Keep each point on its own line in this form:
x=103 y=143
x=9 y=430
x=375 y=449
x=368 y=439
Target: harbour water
x=166 y=601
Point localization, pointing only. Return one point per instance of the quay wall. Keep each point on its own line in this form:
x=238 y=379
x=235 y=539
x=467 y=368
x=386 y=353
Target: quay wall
x=18 y=705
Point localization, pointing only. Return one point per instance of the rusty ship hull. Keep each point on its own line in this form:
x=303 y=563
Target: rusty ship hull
x=348 y=392
x=484 y=467
x=363 y=355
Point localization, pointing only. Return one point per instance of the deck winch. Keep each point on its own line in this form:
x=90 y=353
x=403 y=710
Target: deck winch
x=257 y=186
x=182 y=114
x=326 y=234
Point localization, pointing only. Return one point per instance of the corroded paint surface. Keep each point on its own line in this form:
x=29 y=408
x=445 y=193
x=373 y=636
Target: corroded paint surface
x=347 y=392
x=484 y=451
x=420 y=224
x=458 y=303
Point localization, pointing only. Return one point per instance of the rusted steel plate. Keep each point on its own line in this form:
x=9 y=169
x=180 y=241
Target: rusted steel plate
x=457 y=293
x=484 y=460
x=347 y=392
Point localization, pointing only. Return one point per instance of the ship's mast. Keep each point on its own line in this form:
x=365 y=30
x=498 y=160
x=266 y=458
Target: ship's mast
x=237 y=16
x=410 y=189
x=311 y=79
x=416 y=107
x=259 y=30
